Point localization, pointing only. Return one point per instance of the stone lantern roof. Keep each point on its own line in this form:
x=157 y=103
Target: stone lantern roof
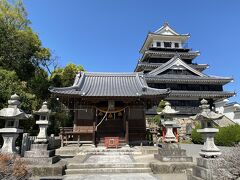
x=206 y=113
x=168 y=110
x=13 y=110
x=44 y=110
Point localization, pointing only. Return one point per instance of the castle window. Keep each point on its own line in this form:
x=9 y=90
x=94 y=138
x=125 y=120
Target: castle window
x=158 y=44
x=176 y=45
x=167 y=44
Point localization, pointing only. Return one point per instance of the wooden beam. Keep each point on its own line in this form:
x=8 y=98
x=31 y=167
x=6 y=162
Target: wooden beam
x=94 y=127
x=127 y=133
x=126 y=126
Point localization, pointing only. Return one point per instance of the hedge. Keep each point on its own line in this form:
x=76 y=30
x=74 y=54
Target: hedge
x=227 y=136
x=196 y=137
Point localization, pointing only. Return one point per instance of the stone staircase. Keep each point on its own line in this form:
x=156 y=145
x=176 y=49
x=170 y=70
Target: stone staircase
x=106 y=161
x=93 y=168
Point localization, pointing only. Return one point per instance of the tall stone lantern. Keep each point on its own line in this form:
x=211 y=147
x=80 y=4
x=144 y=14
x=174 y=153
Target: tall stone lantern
x=12 y=114
x=206 y=117
x=209 y=161
x=168 y=112
x=40 y=152
x=170 y=151
x=43 y=123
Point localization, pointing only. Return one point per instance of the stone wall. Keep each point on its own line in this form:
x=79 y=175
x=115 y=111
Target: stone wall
x=186 y=125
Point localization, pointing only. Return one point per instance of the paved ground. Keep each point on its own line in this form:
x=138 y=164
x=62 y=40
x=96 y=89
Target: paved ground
x=143 y=176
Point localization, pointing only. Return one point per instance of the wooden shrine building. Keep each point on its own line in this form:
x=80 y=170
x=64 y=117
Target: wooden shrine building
x=110 y=105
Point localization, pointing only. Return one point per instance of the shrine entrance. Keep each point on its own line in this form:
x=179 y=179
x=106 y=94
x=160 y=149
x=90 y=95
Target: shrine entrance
x=111 y=124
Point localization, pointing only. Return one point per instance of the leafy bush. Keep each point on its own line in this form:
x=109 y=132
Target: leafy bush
x=196 y=137
x=228 y=136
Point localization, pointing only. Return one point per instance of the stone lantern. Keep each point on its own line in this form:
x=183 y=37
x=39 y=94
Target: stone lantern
x=12 y=114
x=168 y=114
x=43 y=123
x=206 y=117
x=170 y=151
x=40 y=152
x=209 y=161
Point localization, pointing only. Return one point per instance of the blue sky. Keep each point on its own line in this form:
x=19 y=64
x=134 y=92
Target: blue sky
x=106 y=35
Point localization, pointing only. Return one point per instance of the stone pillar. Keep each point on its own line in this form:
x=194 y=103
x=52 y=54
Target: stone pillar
x=42 y=135
x=25 y=143
x=169 y=137
x=9 y=142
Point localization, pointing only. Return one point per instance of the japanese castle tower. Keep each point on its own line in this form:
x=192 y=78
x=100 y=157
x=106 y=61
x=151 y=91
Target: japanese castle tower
x=167 y=62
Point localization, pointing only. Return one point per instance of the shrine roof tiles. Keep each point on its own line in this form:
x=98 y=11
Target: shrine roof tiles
x=89 y=84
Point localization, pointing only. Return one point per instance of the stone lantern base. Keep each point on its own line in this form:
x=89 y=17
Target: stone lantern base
x=206 y=169
x=9 y=139
x=209 y=148
x=39 y=154
x=172 y=153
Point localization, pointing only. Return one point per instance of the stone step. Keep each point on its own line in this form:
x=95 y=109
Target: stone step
x=173 y=158
x=113 y=153
x=92 y=166
x=119 y=145
x=108 y=170
x=67 y=151
x=42 y=160
x=39 y=153
x=39 y=146
x=195 y=178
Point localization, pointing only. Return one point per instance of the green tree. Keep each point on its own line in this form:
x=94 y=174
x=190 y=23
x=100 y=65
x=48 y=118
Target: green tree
x=10 y=84
x=20 y=48
x=157 y=119
x=39 y=85
x=63 y=77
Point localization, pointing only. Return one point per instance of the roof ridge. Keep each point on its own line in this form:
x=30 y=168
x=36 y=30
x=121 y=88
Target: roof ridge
x=174 y=59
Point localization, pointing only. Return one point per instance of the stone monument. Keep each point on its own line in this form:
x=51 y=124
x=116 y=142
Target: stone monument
x=209 y=161
x=43 y=123
x=206 y=117
x=39 y=153
x=170 y=151
x=12 y=114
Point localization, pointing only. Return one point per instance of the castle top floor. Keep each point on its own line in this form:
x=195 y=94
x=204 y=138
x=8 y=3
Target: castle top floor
x=165 y=38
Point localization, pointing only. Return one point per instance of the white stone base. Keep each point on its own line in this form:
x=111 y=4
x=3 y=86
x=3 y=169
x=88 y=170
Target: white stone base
x=9 y=140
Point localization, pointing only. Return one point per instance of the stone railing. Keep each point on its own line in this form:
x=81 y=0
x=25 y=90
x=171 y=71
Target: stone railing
x=54 y=142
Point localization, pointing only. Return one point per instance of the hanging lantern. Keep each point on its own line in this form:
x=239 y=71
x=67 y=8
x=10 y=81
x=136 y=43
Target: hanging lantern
x=100 y=113
x=120 y=114
x=110 y=116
